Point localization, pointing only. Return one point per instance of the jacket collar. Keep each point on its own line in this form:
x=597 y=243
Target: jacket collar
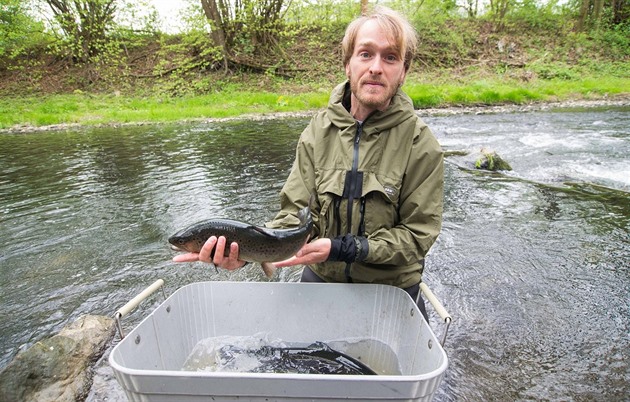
x=400 y=109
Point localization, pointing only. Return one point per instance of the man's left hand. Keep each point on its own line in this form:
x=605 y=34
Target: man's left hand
x=311 y=253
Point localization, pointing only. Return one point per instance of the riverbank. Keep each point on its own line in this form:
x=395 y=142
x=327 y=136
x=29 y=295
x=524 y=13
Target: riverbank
x=620 y=100
x=159 y=80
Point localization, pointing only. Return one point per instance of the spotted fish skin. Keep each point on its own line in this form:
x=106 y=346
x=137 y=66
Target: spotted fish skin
x=255 y=243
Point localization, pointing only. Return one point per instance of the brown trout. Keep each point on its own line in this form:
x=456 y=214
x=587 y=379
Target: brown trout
x=255 y=243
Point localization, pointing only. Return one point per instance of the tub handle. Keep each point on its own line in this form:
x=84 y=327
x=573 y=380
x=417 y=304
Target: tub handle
x=439 y=308
x=133 y=303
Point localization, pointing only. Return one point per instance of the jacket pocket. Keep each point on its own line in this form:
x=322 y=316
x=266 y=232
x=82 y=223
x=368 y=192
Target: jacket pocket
x=382 y=199
x=330 y=189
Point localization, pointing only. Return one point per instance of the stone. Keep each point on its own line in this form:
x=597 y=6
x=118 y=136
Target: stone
x=58 y=368
x=490 y=160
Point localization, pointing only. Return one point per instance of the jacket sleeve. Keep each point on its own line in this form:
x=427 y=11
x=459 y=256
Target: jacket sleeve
x=420 y=207
x=299 y=186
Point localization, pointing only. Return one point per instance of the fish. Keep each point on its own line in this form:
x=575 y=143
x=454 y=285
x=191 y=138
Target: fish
x=255 y=243
x=317 y=358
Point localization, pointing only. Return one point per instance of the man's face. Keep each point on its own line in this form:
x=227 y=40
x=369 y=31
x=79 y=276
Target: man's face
x=375 y=70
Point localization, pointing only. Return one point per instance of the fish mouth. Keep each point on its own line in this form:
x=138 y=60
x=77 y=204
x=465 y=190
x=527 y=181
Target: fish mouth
x=175 y=248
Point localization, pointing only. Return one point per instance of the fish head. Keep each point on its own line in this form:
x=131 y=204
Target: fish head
x=186 y=240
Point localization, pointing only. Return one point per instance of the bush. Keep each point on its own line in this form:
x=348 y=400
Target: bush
x=19 y=32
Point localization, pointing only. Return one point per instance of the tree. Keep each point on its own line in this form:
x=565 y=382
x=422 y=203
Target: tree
x=594 y=13
x=472 y=8
x=499 y=9
x=18 y=30
x=85 y=24
x=217 y=28
x=252 y=22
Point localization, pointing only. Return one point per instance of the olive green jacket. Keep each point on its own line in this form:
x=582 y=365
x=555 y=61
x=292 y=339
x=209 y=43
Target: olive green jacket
x=401 y=195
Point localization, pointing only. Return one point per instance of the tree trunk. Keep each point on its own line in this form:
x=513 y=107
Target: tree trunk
x=85 y=22
x=598 y=6
x=584 y=6
x=211 y=10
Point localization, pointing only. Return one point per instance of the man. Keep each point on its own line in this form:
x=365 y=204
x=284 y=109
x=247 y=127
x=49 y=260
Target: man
x=375 y=168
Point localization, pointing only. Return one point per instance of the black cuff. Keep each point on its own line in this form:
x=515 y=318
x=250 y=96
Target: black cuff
x=348 y=249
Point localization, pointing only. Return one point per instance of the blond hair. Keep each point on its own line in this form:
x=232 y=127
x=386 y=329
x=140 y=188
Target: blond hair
x=396 y=27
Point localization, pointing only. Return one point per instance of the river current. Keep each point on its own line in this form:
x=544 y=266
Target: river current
x=533 y=263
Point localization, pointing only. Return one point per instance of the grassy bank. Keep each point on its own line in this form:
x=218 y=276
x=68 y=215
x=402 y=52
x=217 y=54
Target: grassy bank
x=167 y=78
x=437 y=91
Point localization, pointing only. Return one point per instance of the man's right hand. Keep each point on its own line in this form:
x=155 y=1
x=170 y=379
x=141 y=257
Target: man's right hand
x=231 y=262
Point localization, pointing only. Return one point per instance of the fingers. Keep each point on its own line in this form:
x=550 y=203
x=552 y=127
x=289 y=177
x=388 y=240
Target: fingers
x=206 y=250
x=189 y=257
x=311 y=253
x=229 y=262
x=288 y=262
x=213 y=252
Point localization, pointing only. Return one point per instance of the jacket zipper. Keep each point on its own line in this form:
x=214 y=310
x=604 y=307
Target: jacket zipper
x=355 y=169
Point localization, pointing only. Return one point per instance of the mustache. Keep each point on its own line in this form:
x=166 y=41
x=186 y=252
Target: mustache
x=372 y=80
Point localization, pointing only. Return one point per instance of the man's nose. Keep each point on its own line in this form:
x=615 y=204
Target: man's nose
x=377 y=66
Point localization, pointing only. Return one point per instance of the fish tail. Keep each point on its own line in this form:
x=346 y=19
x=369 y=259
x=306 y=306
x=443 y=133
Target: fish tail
x=268 y=268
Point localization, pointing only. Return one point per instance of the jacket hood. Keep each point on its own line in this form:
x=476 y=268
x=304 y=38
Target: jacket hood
x=399 y=110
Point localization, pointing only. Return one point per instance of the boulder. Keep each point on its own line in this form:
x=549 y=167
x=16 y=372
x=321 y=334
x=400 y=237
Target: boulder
x=490 y=160
x=58 y=368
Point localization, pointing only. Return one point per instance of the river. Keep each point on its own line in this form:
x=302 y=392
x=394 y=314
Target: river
x=533 y=264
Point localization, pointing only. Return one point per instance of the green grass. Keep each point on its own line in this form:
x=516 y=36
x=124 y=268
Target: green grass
x=86 y=109
x=494 y=91
x=91 y=109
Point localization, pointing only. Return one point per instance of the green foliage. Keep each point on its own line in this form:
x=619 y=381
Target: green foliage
x=548 y=16
x=554 y=71
x=325 y=13
x=86 y=109
x=135 y=58
x=182 y=60
x=19 y=31
x=490 y=160
x=444 y=43
x=616 y=40
x=424 y=95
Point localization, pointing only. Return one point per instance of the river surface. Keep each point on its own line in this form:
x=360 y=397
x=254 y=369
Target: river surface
x=533 y=264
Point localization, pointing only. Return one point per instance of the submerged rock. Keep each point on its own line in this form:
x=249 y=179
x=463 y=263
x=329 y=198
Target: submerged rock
x=490 y=160
x=58 y=368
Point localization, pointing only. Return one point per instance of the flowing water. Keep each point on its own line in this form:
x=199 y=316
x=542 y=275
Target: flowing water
x=533 y=264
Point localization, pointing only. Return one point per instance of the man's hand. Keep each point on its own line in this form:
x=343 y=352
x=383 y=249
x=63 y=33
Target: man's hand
x=311 y=253
x=231 y=262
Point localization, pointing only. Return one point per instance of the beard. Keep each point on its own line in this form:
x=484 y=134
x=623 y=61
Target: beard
x=373 y=98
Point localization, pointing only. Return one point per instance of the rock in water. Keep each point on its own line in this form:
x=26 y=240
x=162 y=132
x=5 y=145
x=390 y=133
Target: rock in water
x=490 y=160
x=58 y=368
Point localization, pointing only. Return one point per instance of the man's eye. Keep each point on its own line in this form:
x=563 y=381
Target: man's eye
x=364 y=55
x=391 y=57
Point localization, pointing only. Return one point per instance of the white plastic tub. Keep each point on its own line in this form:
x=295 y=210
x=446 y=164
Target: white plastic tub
x=148 y=361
